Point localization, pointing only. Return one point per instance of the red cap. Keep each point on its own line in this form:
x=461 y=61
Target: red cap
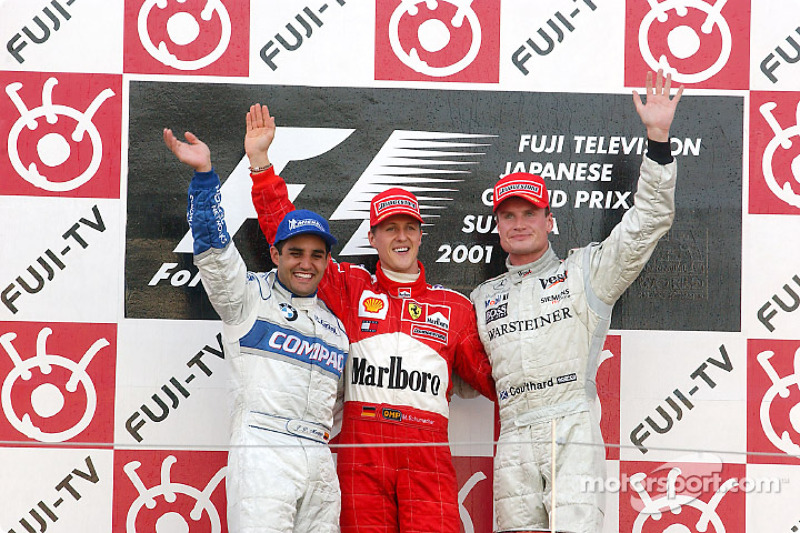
x=391 y=202
x=522 y=185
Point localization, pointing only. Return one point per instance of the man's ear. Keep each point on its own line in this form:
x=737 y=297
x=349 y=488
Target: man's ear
x=371 y=238
x=274 y=254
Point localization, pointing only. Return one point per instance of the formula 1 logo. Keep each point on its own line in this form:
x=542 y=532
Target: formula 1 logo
x=293 y=144
x=773 y=401
x=682 y=497
x=169 y=491
x=187 y=37
x=699 y=42
x=774 y=153
x=63 y=134
x=403 y=161
x=58 y=381
x=606 y=409
x=437 y=40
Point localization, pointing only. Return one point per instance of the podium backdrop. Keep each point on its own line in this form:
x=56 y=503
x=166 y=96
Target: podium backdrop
x=113 y=404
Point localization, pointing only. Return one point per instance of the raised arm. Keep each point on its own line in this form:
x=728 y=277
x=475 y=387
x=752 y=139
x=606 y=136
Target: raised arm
x=259 y=136
x=271 y=202
x=269 y=193
x=658 y=111
x=193 y=152
x=620 y=258
x=222 y=269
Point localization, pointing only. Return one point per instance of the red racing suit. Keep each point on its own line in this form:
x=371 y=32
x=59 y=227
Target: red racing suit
x=405 y=340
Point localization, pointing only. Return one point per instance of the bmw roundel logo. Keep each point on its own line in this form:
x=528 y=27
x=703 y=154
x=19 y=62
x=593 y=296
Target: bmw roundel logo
x=289 y=312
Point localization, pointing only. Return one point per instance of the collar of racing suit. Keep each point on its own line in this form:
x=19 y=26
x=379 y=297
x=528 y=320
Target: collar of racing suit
x=400 y=277
x=540 y=267
x=301 y=302
x=400 y=289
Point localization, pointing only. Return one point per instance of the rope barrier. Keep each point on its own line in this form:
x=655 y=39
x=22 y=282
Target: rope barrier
x=471 y=443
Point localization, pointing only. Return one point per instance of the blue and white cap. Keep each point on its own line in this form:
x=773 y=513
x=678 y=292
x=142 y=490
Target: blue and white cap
x=301 y=221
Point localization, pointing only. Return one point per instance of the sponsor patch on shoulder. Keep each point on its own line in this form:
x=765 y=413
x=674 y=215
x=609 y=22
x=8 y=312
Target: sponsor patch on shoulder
x=288 y=312
x=495 y=300
x=552 y=281
x=496 y=313
x=371 y=305
x=435 y=316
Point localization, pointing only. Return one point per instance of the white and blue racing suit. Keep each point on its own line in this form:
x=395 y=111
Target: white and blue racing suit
x=286 y=355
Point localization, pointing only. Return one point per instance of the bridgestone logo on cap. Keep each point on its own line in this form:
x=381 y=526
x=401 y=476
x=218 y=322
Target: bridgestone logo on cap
x=294 y=224
x=533 y=188
x=400 y=202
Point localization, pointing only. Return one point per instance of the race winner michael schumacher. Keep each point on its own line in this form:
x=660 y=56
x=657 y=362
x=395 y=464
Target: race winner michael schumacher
x=286 y=352
x=544 y=323
x=407 y=337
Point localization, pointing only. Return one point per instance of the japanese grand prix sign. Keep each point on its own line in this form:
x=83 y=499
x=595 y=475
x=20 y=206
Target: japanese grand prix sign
x=452 y=165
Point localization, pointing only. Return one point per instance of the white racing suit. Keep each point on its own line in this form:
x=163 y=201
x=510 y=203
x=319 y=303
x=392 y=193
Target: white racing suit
x=543 y=325
x=286 y=354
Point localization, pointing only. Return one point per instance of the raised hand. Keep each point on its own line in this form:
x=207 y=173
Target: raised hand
x=658 y=112
x=194 y=152
x=260 y=133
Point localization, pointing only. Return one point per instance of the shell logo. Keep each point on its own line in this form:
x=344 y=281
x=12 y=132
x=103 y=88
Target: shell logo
x=373 y=305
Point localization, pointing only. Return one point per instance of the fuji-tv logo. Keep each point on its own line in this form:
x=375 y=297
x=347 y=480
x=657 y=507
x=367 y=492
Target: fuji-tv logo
x=474 y=476
x=773 y=425
x=169 y=491
x=63 y=134
x=607 y=409
x=57 y=381
x=444 y=40
x=209 y=37
x=704 y=43
x=683 y=496
x=774 y=153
